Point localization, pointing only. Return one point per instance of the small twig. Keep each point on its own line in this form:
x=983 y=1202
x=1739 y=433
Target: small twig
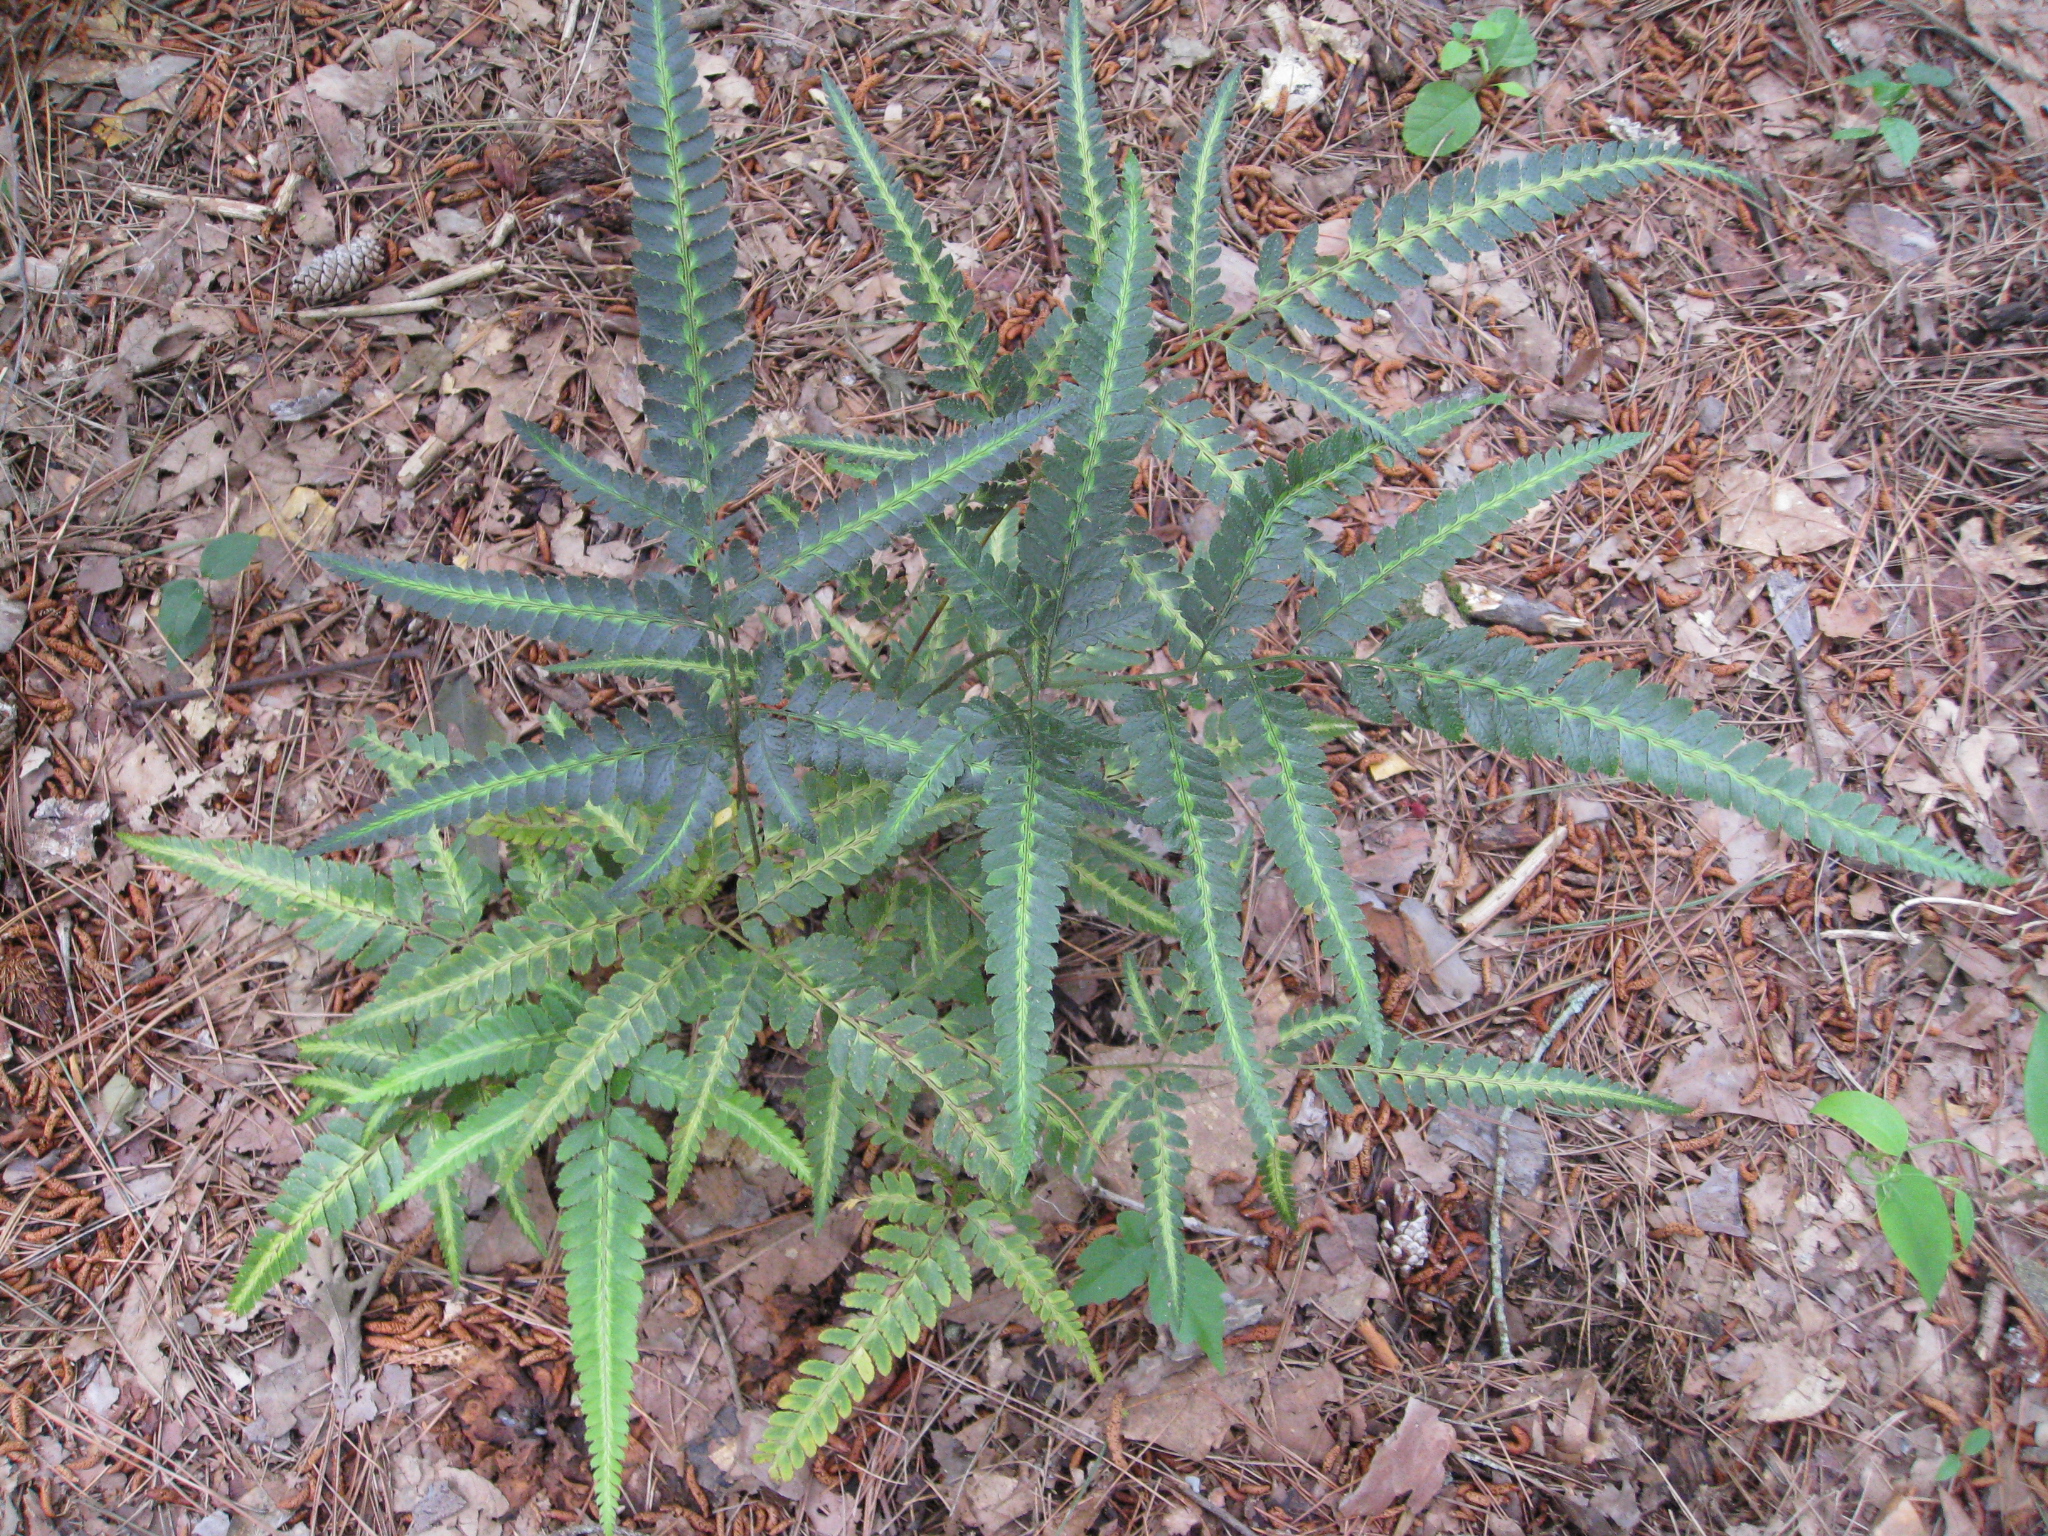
x=1899 y=935
x=217 y=207
x=732 y=1367
x=369 y=311
x=461 y=277
x=1573 y=1007
x=1190 y=1223
x=268 y=679
x=1495 y=901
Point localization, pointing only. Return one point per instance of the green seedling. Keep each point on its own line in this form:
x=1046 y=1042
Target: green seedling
x=1444 y=115
x=1900 y=134
x=183 y=616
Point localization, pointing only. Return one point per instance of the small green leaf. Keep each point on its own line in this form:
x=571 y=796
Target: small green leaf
x=184 y=617
x=1510 y=43
x=1201 y=1310
x=1870 y=1117
x=1902 y=137
x=228 y=556
x=1948 y=1467
x=1116 y=1263
x=2034 y=1093
x=1940 y=79
x=1852 y=131
x=1455 y=55
x=1914 y=1218
x=1868 y=79
x=1978 y=1440
x=1441 y=120
x=1512 y=88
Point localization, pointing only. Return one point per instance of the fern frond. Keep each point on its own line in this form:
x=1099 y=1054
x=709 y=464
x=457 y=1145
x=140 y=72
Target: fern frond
x=1088 y=191
x=764 y=748
x=1102 y=886
x=1235 y=582
x=349 y=910
x=634 y=758
x=481 y=1133
x=915 y=1273
x=1007 y=1249
x=653 y=991
x=1511 y=697
x=1032 y=372
x=701 y=790
x=936 y=766
x=1302 y=831
x=846 y=531
x=1408 y=238
x=1421 y=1074
x=880 y=1041
x=444 y=1199
x=832 y=1113
x=458 y=886
x=745 y=1117
x=351 y=1166
x=607 y=1194
x=1027 y=827
x=590 y=613
x=1368 y=586
x=692 y=321
x=1182 y=784
x=860 y=453
x=957 y=345
x=855 y=838
x=836 y=726
x=1203 y=447
x=624 y=497
x=1264 y=361
x=561 y=935
x=509 y=1044
x=1197 y=213
x=1082 y=498
x=731 y=991
x=1159 y=1156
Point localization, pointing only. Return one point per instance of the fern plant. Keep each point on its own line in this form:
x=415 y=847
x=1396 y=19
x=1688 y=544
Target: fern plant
x=863 y=846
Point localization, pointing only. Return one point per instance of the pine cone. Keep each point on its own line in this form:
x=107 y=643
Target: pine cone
x=340 y=270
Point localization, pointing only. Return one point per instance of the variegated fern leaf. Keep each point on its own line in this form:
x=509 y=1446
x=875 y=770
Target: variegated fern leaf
x=861 y=833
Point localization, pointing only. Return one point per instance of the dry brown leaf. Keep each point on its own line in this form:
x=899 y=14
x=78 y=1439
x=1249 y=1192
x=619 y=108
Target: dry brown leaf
x=1384 y=853
x=2018 y=557
x=1759 y=511
x=1851 y=616
x=1410 y=1461
x=1715 y=1079
x=1419 y=942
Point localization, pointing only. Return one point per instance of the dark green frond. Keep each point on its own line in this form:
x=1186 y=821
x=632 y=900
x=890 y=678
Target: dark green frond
x=957 y=344
x=834 y=726
x=1198 y=211
x=1103 y=886
x=624 y=497
x=848 y=530
x=832 y=1113
x=348 y=910
x=652 y=616
x=693 y=325
x=698 y=792
x=1369 y=585
x=1421 y=1074
x=1027 y=827
x=1301 y=828
x=1264 y=361
x=1511 y=697
x=476 y=1136
x=637 y=758
x=855 y=838
x=1182 y=784
x=1453 y=217
x=858 y=453
x=1088 y=192
x=1203 y=447
x=607 y=1195
x=509 y=1044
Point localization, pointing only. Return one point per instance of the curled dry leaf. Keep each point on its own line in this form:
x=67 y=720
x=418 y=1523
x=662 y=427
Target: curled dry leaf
x=1773 y=516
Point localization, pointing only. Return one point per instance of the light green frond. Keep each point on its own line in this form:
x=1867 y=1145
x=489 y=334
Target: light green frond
x=458 y=885
x=1203 y=447
x=1511 y=697
x=444 y=1199
x=1088 y=192
x=860 y=454
x=478 y=1135
x=1421 y=1074
x=1159 y=1156
x=699 y=791
x=855 y=838
x=1103 y=886
x=1370 y=584
x=832 y=1114
x=349 y=910
x=506 y=1044
x=730 y=990
x=915 y=1273
x=957 y=344
x=1264 y=361
x=351 y=1166
x=745 y=1117
x=606 y=1197
x=1007 y=1249
x=624 y=497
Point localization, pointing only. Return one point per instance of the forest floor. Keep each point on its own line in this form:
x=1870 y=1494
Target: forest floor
x=1831 y=535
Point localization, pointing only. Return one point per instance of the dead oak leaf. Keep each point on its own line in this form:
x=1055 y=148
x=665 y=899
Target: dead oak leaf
x=1772 y=516
x=1410 y=1461
x=2018 y=557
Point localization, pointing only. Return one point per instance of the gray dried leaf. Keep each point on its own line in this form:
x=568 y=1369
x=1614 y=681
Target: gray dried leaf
x=306 y=407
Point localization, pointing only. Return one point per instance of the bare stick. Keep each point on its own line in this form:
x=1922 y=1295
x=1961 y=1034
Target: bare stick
x=269 y=679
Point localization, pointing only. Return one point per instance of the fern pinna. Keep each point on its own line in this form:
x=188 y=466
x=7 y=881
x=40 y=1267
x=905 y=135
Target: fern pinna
x=859 y=848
